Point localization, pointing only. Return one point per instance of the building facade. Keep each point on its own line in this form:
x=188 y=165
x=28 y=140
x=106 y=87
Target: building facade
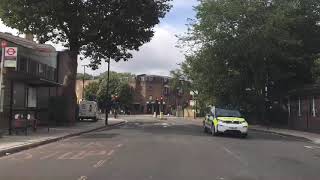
x=153 y=94
x=29 y=86
x=304 y=108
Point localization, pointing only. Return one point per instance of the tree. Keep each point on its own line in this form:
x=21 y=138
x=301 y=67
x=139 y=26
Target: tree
x=125 y=95
x=91 y=91
x=118 y=87
x=244 y=46
x=86 y=76
x=98 y=29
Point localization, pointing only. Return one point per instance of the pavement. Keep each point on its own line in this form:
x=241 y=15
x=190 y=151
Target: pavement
x=175 y=149
x=16 y=143
x=313 y=137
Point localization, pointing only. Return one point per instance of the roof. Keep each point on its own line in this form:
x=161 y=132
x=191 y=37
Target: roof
x=26 y=43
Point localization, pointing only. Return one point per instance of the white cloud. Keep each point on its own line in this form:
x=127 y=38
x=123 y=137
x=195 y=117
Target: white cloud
x=159 y=56
x=4 y=28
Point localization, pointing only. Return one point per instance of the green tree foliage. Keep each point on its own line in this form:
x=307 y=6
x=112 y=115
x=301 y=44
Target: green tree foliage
x=91 y=91
x=242 y=46
x=119 y=86
x=86 y=76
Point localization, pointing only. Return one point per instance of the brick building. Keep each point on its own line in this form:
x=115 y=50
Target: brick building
x=304 y=108
x=150 y=89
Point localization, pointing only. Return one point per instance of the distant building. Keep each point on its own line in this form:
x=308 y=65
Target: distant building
x=152 y=93
x=303 y=107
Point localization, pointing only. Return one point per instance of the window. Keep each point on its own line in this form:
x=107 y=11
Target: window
x=31 y=97
x=50 y=73
x=32 y=67
x=166 y=91
x=313 y=107
x=299 y=106
x=23 y=64
x=289 y=107
x=42 y=70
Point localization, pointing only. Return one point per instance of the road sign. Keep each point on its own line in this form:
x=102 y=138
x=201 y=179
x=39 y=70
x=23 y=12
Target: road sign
x=4 y=44
x=10 y=52
x=10 y=57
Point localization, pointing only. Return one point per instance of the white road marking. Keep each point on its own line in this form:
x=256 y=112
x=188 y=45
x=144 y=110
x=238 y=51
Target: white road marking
x=308 y=147
x=99 y=163
x=80 y=155
x=83 y=178
x=236 y=156
x=110 y=153
x=312 y=147
x=119 y=145
x=65 y=156
x=49 y=156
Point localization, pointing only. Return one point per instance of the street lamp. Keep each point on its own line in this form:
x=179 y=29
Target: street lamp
x=194 y=95
x=108 y=103
x=83 y=80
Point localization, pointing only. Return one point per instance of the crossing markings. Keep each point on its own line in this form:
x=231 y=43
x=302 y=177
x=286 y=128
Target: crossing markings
x=111 y=152
x=100 y=163
x=50 y=155
x=65 y=156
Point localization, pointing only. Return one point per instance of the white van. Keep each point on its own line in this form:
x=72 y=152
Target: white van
x=88 y=110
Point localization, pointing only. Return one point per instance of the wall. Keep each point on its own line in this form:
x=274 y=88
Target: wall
x=307 y=120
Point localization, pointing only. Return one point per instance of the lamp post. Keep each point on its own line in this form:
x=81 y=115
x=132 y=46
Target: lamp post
x=108 y=100
x=3 y=46
x=83 y=80
x=194 y=94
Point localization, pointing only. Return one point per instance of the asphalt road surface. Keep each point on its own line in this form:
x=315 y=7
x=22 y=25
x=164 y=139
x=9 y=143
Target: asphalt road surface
x=176 y=149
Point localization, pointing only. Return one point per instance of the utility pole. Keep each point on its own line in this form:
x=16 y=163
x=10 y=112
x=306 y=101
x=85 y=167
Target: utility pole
x=83 y=80
x=108 y=100
x=3 y=45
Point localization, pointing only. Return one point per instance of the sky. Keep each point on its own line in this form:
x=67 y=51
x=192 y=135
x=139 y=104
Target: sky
x=160 y=55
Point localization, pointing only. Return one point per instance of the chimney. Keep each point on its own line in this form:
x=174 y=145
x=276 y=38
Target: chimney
x=29 y=36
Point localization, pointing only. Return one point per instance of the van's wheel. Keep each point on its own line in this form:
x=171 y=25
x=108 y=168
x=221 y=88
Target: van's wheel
x=213 y=130
x=95 y=119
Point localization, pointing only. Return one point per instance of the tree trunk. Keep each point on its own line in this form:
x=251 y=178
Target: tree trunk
x=69 y=64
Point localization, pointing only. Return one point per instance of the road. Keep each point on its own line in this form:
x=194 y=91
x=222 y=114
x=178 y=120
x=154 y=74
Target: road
x=176 y=149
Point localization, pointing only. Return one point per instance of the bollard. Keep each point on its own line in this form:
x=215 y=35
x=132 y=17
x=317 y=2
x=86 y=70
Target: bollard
x=161 y=115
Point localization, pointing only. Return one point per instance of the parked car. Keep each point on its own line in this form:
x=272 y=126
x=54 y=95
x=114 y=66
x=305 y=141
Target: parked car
x=219 y=121
x=88 y=110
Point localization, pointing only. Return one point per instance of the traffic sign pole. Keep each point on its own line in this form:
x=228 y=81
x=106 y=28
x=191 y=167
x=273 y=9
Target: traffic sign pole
x=1 y=78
